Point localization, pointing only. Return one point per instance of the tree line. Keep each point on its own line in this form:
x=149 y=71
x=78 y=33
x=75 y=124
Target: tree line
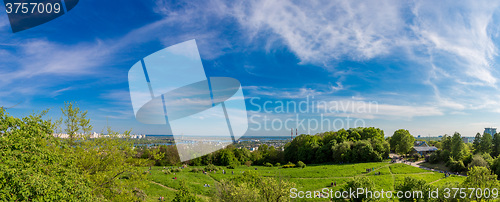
x=354 y=145
x=459 y=156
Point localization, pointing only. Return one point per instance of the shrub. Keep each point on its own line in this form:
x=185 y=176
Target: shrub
x=195 y=170
x=176 y=170
x=232 y=166
x=167 y=172
x=268 y=165
x=278 y=164
x=289 y=165
x=478 y=160
x=248 y=163
x=416 y=156
x=434 y=158
x=301 y=164
x=210 y=167
x=455 y=166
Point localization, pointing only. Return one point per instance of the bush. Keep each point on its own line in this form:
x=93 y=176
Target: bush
x=445 y=155
x=301 y=164
x=248 y=163
x=416 y=156
x=167 y=172
x=268 y=165
x=479 y=161
x=232 y=166
x=211 y=167
x=195 y=170
x=289 y=165
x=434 y=158
x=176 y=170
x=278 y=164
x=455 y=166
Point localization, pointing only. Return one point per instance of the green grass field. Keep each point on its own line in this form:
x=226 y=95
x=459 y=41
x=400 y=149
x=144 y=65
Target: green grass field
x=313 y=177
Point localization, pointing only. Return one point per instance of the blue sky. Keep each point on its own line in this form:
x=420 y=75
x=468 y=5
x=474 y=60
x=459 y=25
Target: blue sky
x=428 y=67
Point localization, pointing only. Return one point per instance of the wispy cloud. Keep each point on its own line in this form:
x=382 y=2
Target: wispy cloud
x=294 y=93
x=319 y=31
x=461 y=29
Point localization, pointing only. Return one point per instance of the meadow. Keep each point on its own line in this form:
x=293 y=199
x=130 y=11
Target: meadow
x=310 y=178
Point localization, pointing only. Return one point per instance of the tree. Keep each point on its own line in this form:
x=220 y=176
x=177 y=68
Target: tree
x=359 y=182
x=111 y=167
x=477 y=143
x=496 y=145
x=226 y=157
x=35 y=165
x=252 y=187
x=402 y=141
x=495 y=167
x=184 y=195
x=413 y=185
x=486 y=143
x=458 y=151
x=342 y=152
x=478 y=160
x=75 y=120
x=480 y=177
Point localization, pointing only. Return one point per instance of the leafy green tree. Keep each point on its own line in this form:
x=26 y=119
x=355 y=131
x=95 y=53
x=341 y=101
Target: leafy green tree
x=184 y=195
x=446 y=143
x=496 y=145
x=458 y=150
x=382 y=147
x=226 y=157
x=40 y=167
x=480 y=177
x=359 y=182
x=486 y=143
x=402 y=141
x=354 y=135
x=363 y=152
x=372 y=133
x=413 y=185
x=477 y=143
x=342 y=152
x=252 y=187
x=342 y=135
x=478 y=160
x=34 y=166
x=495 y=167
x=75 y=120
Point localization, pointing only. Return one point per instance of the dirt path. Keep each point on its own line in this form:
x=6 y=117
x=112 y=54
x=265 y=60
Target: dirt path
x=417 y=164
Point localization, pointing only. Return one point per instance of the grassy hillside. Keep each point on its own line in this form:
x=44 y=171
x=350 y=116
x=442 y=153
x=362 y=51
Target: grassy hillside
x=313 y=177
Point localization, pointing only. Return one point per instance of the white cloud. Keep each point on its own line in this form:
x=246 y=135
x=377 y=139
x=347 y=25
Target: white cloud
x=295 y=93
x=462 y=29
x=319 y=31
x=374 y=110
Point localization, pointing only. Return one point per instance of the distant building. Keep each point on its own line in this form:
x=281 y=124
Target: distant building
x=422 y=148
x=468 y=139
x=490 y=131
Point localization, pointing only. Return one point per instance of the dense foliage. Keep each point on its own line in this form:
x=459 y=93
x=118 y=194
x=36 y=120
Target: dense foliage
x=34 y=165
x=252 y=187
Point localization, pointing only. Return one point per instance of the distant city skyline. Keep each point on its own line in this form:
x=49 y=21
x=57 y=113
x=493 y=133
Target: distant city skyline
x=421 y=66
